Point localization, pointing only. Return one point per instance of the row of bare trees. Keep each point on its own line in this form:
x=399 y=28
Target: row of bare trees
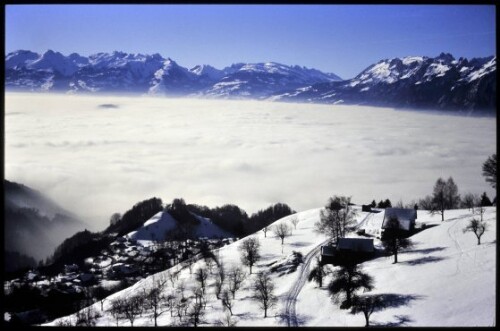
x=159 y=297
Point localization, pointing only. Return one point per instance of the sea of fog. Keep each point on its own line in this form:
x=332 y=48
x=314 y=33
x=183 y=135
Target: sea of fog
x=96 y=155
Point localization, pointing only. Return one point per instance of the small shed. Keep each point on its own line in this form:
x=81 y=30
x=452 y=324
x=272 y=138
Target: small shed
x=358 y=245
x=406 y=217
x=347 y=249
x=366 y=208
x=327 y=254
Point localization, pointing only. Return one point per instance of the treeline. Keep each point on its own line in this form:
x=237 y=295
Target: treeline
x=228 y=217
x=135 y=217
x=236 y=221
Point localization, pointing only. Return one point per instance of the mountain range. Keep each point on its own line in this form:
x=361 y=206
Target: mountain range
x=442 y=82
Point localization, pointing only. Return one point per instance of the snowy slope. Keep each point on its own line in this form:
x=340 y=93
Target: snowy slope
x=156 y=228
x=445 y=280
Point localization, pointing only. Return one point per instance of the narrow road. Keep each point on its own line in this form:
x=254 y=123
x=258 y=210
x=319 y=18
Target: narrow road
x=291 y=298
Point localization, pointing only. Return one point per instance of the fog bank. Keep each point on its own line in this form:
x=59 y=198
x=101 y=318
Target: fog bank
x=96 y=155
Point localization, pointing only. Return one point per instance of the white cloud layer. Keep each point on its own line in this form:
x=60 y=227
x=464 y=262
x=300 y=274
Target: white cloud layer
x=97 y=161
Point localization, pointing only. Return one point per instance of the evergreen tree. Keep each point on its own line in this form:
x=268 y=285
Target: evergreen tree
x=346 y=281
x=393 y=238
x=490 y=170
x=485 y=201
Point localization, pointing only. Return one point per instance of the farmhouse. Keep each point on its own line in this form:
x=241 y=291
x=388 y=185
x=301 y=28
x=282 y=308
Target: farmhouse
x=406 y=218
x=353 y=249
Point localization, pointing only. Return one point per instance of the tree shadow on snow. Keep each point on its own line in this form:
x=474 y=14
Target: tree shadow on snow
x=299 y=244
x=401 y=320
x=391 y=300
x=246 y=316
x=427 y=250
x=424 y=260
x=288 y=320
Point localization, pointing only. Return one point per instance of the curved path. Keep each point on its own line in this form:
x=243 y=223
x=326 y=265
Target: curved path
x=291 y=298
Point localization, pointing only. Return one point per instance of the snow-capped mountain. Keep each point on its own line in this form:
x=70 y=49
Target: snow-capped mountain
x=151 y=74
x=261 y=79
x=424 y=82
x=413 y=82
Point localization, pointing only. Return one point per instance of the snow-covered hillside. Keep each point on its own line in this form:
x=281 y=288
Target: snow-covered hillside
x=156 y=228
x=445 y=280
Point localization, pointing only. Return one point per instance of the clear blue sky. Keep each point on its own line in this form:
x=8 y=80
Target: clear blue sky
x=341 y=39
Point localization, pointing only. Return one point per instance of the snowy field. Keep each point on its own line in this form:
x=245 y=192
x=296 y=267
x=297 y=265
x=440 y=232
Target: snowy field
x=445 y=280
x=98 y=155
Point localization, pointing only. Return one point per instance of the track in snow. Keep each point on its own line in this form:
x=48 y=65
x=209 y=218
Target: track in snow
x=291 y=298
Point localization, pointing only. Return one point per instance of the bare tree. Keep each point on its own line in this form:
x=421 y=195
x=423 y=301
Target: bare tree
x=172 y=276
x=263 y=289
x=170 y=303
x=265 y=229
x=318 y=273
x=199 y=294
x=490 y=170
x=249 y=250
x=116 y=309
x=201 y=276
x=346 y=281
x=236 y=276
x=480 y=210
x=337 y=218
x=478 y=227
x=98 y=293
x=445 y=196
x=367 y=304
x=181 y=287
x=87 y=317
x=132 y=307
x=195 y=314
x=180 y=307
x=219 y=279
x=227 y=320
x=469 y=201
x=426 y=203
x=393 y=238
x=227 y=301
x=209 y=262
x=156 y=299
x=294 y=220
x=282 y=230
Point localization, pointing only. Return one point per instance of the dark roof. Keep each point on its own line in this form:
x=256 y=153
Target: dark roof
x=404 y=216
x=356 y=244
x=328 y=250
x=401 y=213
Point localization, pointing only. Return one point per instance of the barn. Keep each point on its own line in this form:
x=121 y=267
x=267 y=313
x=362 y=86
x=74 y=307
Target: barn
x=347 y=249
x=406 y=217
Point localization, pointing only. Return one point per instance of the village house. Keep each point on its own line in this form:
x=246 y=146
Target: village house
x=406 y=218
x=347 y=248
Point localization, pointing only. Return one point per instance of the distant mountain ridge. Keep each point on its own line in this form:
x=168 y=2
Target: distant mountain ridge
x=151 y=74
x=442 y=82
x=412 y=82
x=33 y=224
